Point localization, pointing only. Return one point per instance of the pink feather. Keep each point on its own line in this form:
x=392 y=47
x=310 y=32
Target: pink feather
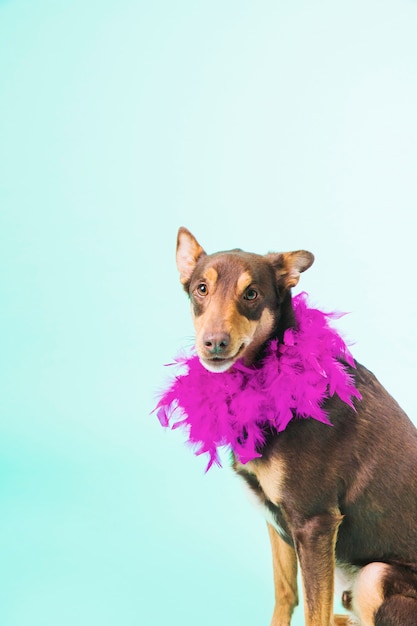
x=232 y=408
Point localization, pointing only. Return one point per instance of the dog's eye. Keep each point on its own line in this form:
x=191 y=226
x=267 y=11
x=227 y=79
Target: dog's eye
x=250 y=294
x=202 y=289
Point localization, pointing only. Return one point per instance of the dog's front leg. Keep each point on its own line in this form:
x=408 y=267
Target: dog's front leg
x=284 y=562
x=315 y=540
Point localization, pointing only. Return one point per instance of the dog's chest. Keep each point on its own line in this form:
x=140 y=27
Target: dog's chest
x=265 y=480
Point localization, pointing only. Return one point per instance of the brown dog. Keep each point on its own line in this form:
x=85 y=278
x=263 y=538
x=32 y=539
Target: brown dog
x=338 y=500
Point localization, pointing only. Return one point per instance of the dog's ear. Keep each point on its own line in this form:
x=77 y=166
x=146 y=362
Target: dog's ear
x=289 y=265
x=188 y=253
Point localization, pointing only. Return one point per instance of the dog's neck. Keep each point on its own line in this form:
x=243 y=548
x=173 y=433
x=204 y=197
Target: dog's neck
x=286 y=318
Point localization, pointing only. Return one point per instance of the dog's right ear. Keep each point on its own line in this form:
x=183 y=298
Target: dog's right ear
x=188 y=253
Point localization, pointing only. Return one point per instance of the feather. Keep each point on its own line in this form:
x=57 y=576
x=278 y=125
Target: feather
x=232 y=409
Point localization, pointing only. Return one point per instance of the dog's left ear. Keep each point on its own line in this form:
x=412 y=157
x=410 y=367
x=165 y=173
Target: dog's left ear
x=188 y=253
x=289 y=265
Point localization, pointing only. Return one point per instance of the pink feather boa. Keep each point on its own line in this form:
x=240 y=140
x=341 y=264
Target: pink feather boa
x=232 y=408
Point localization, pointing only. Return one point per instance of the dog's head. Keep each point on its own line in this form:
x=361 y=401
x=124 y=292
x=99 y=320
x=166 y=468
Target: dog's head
x=238 y=299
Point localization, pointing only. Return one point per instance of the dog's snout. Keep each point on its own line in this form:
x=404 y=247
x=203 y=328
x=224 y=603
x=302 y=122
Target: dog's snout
x=216 y=343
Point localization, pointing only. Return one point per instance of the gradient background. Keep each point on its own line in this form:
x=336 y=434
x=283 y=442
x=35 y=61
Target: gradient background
x=266 y=125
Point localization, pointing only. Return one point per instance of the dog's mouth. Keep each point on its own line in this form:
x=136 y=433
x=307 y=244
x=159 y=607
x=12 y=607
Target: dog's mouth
x=220 y=364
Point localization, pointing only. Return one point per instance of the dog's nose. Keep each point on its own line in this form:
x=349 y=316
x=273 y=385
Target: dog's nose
x=216 y=343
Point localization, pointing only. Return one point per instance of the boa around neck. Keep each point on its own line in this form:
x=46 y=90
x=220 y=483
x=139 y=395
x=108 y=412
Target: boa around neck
x=233 y=408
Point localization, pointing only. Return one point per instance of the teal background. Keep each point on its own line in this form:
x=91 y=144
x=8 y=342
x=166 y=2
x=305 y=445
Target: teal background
x=266 y=125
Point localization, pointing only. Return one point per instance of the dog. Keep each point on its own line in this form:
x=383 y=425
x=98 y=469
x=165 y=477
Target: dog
x=338 y=500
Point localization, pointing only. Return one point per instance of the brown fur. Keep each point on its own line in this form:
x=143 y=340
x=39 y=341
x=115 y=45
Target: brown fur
x=341 y=497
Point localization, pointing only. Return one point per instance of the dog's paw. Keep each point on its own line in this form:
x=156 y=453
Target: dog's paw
x=281 y=617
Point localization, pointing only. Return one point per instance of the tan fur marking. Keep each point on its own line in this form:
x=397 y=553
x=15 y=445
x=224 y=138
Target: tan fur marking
x=284 y=562
x=239 y=325
x=243 y=282
x=260 y=333
x=211 y=275
x=368 y=592
x=270 y=475
x=264 y=326
x=343 y=620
